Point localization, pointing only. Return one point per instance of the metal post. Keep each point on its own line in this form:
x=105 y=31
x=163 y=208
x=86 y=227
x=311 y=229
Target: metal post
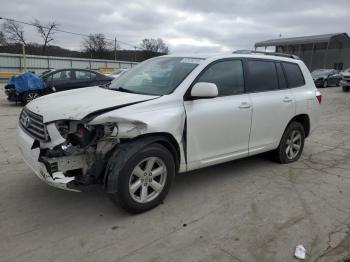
x=24 y=58
x=115 y=48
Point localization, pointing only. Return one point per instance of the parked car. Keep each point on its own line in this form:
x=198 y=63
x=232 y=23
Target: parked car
x=58 y=80
x=345 y=82
x=117 y=73
x=187 y=113
x=326 y=77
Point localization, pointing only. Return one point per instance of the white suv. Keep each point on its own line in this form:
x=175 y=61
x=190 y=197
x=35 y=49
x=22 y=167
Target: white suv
x=169 y=114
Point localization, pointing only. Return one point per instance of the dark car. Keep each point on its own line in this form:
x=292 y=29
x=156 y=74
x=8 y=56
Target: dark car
x=326 y=77
x=60 y=80
x=345 y=82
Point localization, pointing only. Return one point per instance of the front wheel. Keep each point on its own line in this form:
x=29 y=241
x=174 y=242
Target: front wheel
x=30 y=96
x=145 y=180
x=292 y=143
x=346 y=89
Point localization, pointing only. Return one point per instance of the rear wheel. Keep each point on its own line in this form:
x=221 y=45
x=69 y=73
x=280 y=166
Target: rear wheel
x=291 y=144
x=30 y=96
x=346 y=88
x=145 y=180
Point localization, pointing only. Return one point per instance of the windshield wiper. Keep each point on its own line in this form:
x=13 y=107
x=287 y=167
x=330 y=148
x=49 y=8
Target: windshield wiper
x=122 y=89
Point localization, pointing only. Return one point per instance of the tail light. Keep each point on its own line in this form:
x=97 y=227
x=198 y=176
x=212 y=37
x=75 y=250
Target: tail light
x=319 y=96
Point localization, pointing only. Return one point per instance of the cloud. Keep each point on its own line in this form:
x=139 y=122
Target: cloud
x=186 y=26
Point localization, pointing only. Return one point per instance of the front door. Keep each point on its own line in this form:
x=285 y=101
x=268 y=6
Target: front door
x=61 y=80
x=218 y=128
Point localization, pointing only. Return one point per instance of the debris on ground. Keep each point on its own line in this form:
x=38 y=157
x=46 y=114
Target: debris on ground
x=300 y=252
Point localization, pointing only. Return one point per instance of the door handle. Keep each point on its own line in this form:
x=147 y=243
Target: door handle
x=244 y=105
x=287 y=99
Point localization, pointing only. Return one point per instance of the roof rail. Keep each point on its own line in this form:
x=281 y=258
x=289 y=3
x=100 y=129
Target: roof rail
x=265 y=53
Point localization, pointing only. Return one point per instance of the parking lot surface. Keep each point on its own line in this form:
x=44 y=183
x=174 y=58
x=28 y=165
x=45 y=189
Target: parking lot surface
x=247 y=210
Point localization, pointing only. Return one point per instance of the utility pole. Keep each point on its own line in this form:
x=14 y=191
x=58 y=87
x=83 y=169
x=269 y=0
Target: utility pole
x=24 y=58
x=115 y=48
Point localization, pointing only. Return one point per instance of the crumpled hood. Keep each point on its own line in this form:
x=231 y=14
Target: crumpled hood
x=76 y=104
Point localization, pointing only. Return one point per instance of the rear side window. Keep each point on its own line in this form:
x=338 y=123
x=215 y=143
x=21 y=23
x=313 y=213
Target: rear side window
x=294 y=75
x=227 y=75
x=262 y=76
x=82 y=75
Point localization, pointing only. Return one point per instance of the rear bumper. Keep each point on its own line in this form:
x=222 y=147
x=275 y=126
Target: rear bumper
x=31 y=158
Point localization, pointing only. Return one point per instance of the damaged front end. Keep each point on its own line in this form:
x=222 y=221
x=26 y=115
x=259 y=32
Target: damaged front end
x=66 y=153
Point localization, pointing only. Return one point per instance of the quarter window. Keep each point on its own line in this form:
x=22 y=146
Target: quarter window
x=227 y=75
x=294 y=75
x=262 y=76
x=281 y=79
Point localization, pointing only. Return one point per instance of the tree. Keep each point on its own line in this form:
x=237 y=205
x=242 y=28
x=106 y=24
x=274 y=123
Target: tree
x=46 y=32
x=96 y=44
x=14 y=32
x=2 y=39
x=154 y=45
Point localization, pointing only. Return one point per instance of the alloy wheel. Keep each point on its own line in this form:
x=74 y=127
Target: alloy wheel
x=31 y=96
x=293 y=144
x=147 y=180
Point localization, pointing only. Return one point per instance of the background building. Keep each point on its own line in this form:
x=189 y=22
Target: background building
x=318 y=51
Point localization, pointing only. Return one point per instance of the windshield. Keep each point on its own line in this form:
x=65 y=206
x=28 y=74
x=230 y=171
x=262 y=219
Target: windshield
x=157 y=76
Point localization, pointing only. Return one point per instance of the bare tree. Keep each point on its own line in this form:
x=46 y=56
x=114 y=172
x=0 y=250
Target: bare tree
x=46 y=32
x=96 y=44
x=14 y=32
x=3 y=40
x=154 y=45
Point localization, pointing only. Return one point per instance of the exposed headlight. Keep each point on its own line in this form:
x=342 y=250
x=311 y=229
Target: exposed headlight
x=110 y=130
x=63 y=127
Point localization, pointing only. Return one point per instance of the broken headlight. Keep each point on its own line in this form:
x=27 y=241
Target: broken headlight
x=110 y=130
x=63 y=128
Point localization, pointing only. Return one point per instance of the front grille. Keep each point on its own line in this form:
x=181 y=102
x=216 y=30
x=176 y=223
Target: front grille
x=33 y=124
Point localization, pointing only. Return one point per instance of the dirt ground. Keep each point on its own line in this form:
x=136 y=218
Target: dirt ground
x=247 y=210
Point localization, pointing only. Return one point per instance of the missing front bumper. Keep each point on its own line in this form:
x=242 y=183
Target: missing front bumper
x=55 y=178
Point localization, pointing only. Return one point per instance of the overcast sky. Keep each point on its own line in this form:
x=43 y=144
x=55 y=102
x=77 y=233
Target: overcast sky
x=199 y=26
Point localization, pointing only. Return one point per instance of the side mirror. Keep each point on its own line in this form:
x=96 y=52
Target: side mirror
x=204 y=90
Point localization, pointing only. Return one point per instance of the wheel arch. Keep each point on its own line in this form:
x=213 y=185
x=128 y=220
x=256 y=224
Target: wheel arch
x=304 y=120
x=127 y=148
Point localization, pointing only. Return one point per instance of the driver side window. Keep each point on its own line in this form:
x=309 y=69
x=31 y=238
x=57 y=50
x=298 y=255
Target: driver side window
x=227 y=75
x=62 y=75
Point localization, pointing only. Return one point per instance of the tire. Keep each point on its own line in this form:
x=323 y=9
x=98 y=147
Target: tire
x=293 y=130
x=27 y=97
x=346 y=89
x=325 y=83
x=137 y=187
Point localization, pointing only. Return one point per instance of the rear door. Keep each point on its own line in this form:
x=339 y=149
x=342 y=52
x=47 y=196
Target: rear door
x=273 y=104
x=82 y=78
